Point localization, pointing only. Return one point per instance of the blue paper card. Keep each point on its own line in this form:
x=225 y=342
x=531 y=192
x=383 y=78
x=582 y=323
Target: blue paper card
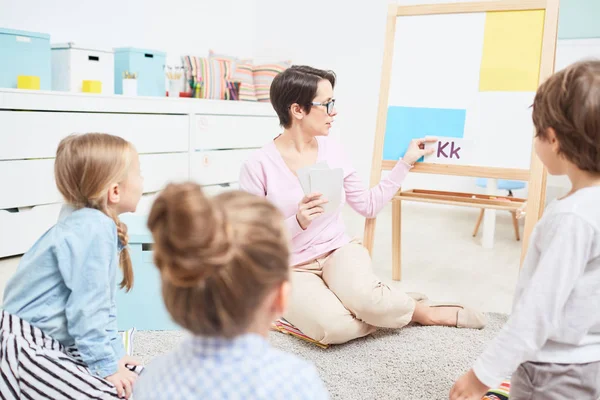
x=407 y=123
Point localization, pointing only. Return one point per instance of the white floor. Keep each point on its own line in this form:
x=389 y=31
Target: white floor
x=440 y=257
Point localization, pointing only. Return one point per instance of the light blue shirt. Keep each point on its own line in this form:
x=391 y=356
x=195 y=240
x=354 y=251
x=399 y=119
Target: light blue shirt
x=245 y=368
x=66 y=285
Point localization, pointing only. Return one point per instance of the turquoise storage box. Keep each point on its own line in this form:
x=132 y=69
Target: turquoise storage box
x=142 y=308
x=149 y=66
x=24 y=53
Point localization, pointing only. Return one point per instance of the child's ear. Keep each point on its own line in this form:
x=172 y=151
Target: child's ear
x=281 y=299
x=553 y=139
x=114 y=194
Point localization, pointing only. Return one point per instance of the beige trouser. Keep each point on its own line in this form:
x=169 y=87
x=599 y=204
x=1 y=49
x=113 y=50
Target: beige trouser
x=337 y=298
x=543 y=381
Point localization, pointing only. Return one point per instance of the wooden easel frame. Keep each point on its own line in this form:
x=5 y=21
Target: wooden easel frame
x=536 y=175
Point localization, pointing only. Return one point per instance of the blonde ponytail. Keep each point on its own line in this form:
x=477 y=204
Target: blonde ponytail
x=84 y=168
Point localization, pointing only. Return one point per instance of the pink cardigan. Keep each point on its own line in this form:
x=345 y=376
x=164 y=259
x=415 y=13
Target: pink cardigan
x=267 y=174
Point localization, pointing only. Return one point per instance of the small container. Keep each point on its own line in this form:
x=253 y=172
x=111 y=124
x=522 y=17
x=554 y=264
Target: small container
x=91 y=87
x=73 y=64
x=28 y=82
x=24 y=54
x=130 y=87
x=174 y=87
x=149 y=64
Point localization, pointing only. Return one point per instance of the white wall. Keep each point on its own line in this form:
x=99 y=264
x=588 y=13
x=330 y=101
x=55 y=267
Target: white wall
x=177 y=27
x=340 y=35
x=348 y=37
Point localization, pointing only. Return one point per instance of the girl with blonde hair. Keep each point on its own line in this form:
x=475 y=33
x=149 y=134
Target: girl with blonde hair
x=58 y=326
x=224 y=265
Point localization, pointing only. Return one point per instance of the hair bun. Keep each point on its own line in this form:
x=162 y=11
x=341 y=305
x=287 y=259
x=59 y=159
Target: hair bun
x=191 y=236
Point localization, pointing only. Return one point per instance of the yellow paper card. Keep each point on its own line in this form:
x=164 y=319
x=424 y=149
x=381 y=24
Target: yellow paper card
x=512 y=50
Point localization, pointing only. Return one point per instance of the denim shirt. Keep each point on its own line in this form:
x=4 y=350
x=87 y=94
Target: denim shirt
x=66 y=286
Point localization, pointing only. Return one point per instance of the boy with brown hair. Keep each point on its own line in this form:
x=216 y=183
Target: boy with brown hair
x=551 y=342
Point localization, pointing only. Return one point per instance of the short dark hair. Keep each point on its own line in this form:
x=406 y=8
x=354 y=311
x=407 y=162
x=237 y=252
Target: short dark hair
x=297 y=84
x=569 y=103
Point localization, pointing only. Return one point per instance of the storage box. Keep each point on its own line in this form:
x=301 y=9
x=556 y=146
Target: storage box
x=143 y=307
x=149 y=66
x=24 y=54
x=72 y=64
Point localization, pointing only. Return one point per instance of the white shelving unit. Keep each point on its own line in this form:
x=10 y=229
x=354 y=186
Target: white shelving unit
x=178 y=139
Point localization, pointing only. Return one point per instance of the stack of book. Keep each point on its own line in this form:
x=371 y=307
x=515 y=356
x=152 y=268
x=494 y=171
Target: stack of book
x=283 y=326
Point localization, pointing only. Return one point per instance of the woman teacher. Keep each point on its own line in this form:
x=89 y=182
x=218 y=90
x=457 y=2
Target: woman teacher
x=335 y=295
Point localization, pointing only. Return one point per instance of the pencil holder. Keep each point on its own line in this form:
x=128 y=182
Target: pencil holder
x=130 y=87
x=174 y=87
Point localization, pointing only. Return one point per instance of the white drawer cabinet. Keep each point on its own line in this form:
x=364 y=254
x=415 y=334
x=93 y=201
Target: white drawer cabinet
x=217 y=132
x=27 y=183
x=177 y=139
x=215 y=167
x=145 y=204
x=160 y=169
x=19 y=230
x=32 y=181
x=30 y=134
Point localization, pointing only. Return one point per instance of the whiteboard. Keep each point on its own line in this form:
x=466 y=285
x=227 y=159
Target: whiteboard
x=437 y=64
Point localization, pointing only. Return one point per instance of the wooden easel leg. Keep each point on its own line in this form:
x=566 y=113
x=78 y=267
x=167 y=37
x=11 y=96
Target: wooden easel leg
x=384 y=94
x=516 y=225
x=514 y=219
x=537 y=171
x=396 y=242
x=478 y=223
x=369 y=237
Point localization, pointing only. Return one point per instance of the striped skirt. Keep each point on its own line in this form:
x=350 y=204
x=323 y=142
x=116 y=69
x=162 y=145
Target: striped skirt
x=35 y=366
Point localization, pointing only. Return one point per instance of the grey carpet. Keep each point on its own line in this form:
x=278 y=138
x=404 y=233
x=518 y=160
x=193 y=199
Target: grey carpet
x=413 y=363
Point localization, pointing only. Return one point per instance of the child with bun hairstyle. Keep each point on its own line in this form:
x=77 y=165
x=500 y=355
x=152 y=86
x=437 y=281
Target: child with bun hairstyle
x=58 y=328
x=224 y=265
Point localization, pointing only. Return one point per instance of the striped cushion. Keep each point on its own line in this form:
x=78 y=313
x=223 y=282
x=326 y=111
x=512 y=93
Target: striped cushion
x=242 y=72
x=213 y=74
x=500 y=393
x=263 y=77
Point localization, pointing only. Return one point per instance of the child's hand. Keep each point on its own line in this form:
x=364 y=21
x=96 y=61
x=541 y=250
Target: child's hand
x=124 y=379
x=127 y=360
x=468 y=387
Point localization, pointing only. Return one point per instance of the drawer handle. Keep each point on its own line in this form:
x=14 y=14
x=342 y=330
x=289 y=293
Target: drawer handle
x=206 y=160
x=147 y=246
x=93 y=58
x=148 y=55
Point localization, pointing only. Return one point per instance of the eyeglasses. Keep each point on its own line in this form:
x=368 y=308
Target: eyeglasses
x=330 y=104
